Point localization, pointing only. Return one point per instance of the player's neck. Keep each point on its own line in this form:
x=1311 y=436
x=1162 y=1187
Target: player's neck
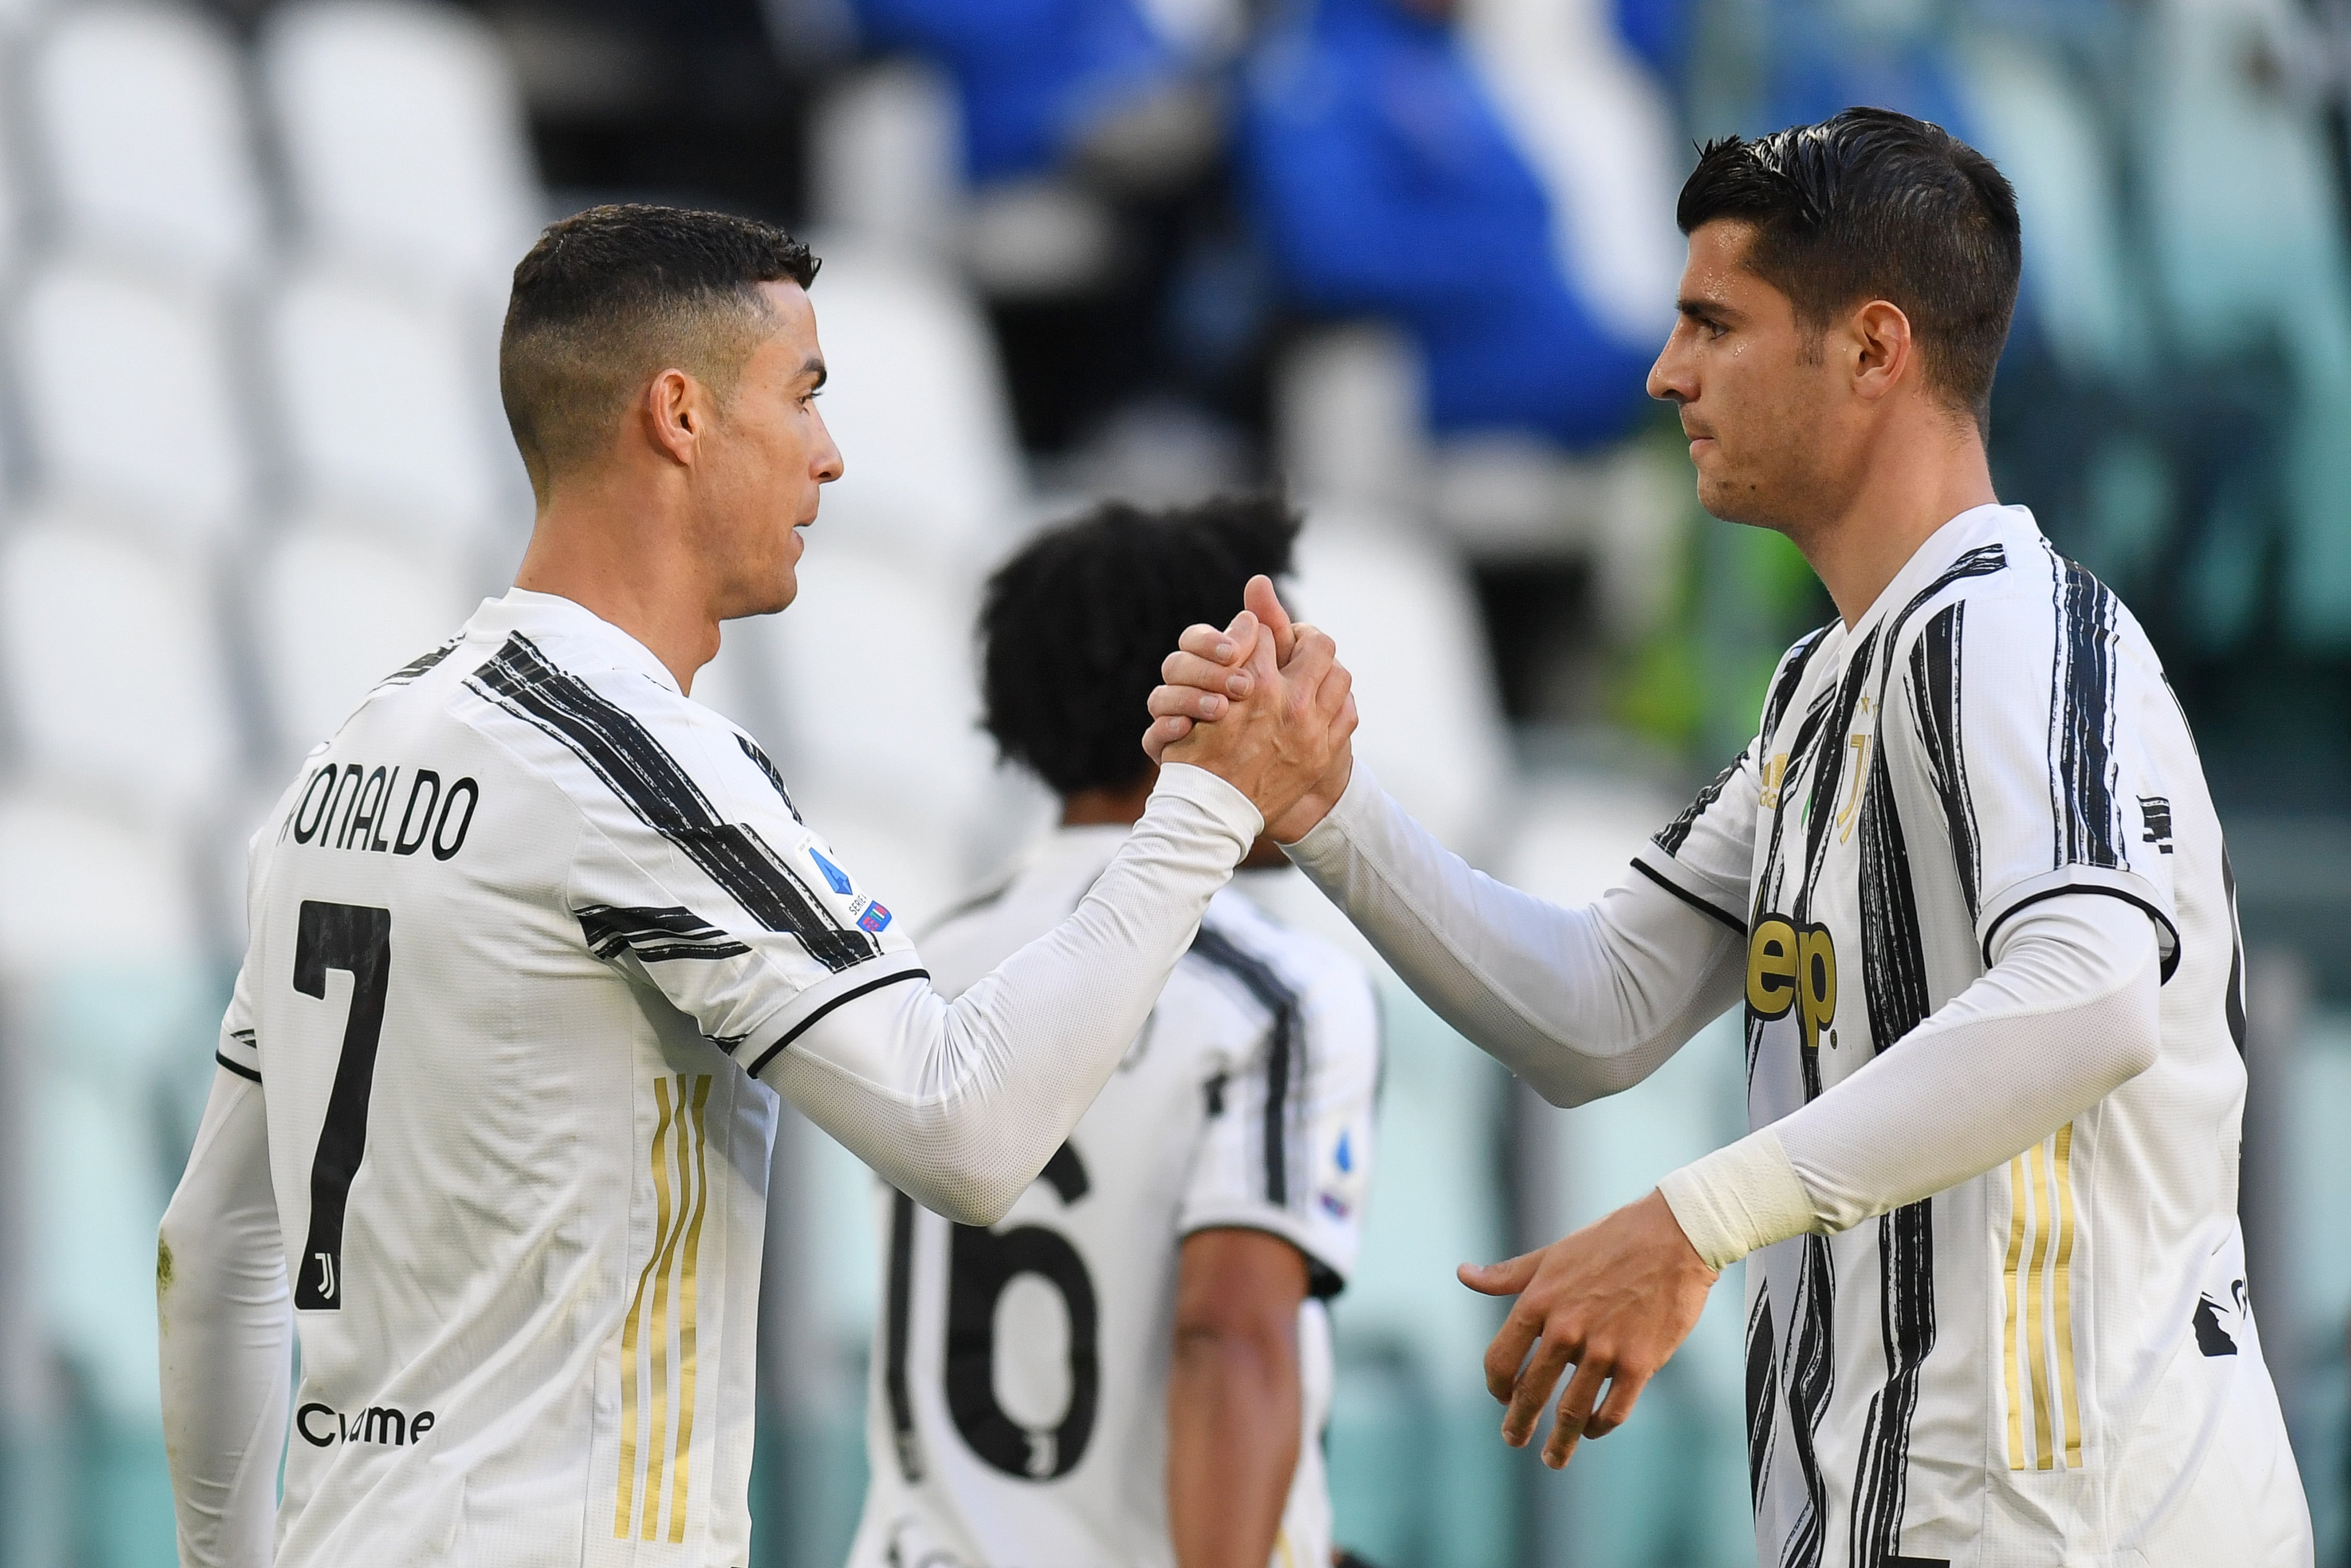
x=607 y=553
x=1910 y=484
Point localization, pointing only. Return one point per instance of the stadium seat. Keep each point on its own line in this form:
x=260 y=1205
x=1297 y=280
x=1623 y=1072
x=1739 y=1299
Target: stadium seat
x=139 y=121
x=118 y=1039
x=1348 y=418
x=1405 y=625
x=1600 y=135
x=334 y=612
x=916 y=402
x=404 y=137
x=2253 y=266
x=877 y=713
x=885 y=159
x=110 y=660
x=2035 y=121
x=390 y=410
x=136 y=417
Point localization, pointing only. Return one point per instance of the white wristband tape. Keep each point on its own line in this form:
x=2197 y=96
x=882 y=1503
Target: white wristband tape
x=1738 y=1199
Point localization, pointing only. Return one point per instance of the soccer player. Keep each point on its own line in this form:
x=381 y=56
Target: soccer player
x=1169 y=1410
x=1969 y=885
x=536 y=944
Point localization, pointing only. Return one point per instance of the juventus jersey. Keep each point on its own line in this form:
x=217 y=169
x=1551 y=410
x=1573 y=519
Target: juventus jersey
x=1018 y=1412
x=512 y=928
x=2058 y=1356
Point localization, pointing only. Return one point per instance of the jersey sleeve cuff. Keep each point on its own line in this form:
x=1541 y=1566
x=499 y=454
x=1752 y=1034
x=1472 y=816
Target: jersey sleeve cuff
x=1325 y=847
x=1225 y=805
x=1686 y=884
x=1739 y=1200
x=1330 y=1258
x=2126 y=886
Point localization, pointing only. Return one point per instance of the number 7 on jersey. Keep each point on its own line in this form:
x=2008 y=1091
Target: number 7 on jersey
x=357 y=939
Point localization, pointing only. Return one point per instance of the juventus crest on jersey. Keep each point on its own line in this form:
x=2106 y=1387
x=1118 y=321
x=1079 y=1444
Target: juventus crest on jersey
x=2062 y=1350
x=1018 y=1416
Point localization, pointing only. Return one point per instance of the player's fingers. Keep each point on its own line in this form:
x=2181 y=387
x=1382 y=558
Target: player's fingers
x=1507 y=1351
x=1533 y=1390
x=1223 y=644
x=1187 y=702
x=1337 y=686
x=1311 y=657
x=1182 y=669
x=1507 y=1278
x=1163 y=734
x=1266 y=604
x=1624 y=1393
x=1574 y=1410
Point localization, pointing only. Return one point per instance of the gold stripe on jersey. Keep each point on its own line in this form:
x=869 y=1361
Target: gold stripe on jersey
x=2038 y=1307
x=688 y=1308
x=681 y=1146
x=2065 y=1296
x=626 y=1492
x=2008 y=1316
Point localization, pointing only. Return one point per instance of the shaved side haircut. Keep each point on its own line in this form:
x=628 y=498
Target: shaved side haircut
x=609 y=298
x=1872 y=205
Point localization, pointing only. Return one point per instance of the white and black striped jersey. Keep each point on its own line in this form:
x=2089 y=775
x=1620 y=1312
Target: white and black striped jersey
x=2057 y=1360
x=1017 y=1412
x=516 y=930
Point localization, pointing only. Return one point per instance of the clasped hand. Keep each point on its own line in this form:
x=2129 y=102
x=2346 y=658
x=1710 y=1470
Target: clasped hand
x=1264 y=704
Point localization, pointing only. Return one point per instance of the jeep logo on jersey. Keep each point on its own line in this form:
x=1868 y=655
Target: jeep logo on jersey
x=1788 y=965
x=432 y=816
x=323 y=1426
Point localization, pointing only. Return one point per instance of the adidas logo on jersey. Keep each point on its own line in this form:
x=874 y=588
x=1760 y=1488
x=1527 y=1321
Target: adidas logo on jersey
x=323 y=1426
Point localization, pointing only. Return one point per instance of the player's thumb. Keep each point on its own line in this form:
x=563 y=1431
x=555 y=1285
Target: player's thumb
x=1507 y=1278
x=1261 y=598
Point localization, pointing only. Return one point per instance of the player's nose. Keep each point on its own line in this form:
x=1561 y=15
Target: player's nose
x=829 y=464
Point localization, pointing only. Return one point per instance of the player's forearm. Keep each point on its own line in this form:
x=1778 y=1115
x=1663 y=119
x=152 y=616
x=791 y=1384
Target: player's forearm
x=1578 y=1002
x=2070 y=1013
x=222 y=1312
x=1233 y=1420
x=960 y=1104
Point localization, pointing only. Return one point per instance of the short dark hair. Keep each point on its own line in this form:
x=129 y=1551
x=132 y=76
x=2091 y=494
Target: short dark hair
x=613 y=295
x=1872 y=205
x=1073 y=629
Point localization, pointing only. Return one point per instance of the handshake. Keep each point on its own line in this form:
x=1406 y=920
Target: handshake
x=1265 y=705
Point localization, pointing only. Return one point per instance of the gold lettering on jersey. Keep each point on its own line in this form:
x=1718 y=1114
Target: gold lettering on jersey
x=1791 y=967
x=680 y=1149
x=1775 y=773
x=348 y=805
x=2037 y=1307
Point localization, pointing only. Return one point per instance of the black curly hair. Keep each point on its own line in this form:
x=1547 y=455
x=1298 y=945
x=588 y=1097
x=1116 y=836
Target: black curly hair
x=1073 y=629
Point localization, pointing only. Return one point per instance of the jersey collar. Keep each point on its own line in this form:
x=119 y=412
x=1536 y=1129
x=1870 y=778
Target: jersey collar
x=580 y=636
x=1976 y=526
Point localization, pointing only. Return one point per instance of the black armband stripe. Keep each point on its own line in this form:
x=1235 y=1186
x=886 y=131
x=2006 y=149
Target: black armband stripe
x=1686 y=896
x=236 y=1067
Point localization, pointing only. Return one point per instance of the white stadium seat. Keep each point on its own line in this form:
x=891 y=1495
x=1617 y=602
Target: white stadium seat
x=139 y=120
x=1402 y=614
x=334 y=612
x=135 y=416
x=403 y=135
x=916 y=402
x=114 y=1032
x=388 y=413
x=109 y=653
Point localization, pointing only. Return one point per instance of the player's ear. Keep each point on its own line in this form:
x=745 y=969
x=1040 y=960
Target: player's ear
x=1878 y=341
x=676 y=413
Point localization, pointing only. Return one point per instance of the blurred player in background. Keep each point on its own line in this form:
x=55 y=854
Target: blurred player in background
x=1168 y=1411
x=536 y=943
x=1968 y=881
